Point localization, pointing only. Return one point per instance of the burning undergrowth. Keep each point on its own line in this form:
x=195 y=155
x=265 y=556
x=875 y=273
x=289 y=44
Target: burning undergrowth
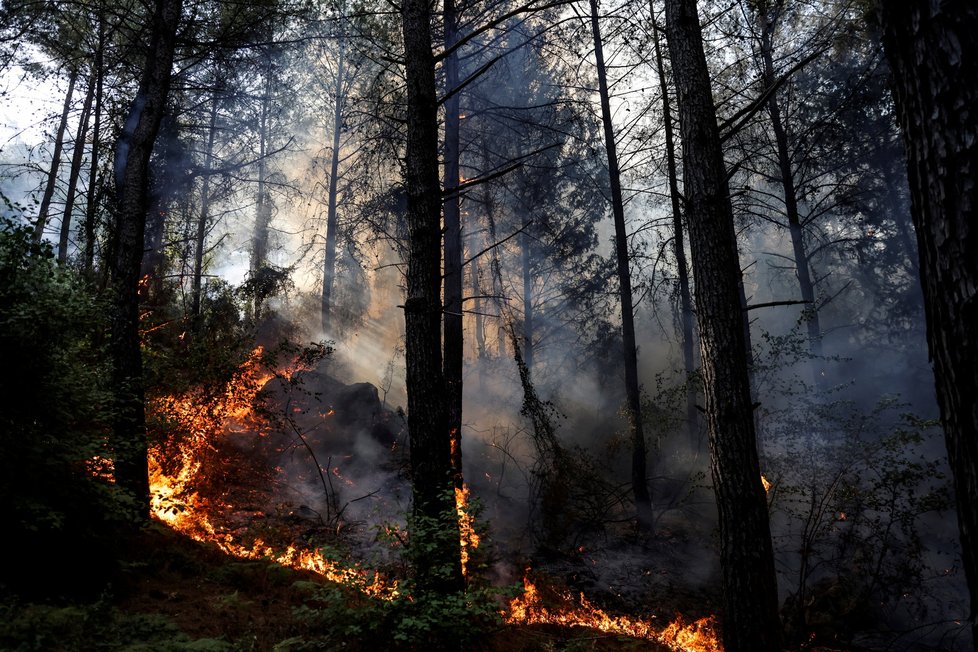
x=238 y=467
x=286 y=463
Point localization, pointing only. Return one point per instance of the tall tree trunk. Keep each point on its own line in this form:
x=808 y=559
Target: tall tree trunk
x=806 y=284
x=92 y=197
x=132 y=154
x=166 y=179
x=203 y=220
x=453 y=242
x=77 y=156
x=435 y=538
x=640 y=490
x=750 y=618
x=526 y=258
x=329 y=262
x=263 y=209
x=686 y=316
x=59 y=138
x=475 y=274
x=932 y=50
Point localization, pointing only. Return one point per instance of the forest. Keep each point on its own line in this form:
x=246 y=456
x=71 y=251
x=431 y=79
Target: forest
x=490 y=325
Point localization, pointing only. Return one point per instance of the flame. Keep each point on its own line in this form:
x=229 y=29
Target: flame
x=468 y=537
x=530 y=608
x=176 y=503
x=766 y=483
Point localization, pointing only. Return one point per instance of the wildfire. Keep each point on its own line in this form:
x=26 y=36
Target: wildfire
x=469 y=538
x=530 y=608
x=176 y=503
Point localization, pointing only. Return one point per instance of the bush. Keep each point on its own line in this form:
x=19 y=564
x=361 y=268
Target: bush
x=57 y=507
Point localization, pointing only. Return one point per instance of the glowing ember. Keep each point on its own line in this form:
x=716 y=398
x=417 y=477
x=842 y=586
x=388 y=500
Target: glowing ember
x=766 y=483
x=101 y=467
x=529 y=609
x=469 y=538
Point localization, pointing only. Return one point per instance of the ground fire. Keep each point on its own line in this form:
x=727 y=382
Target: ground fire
x=179 y=505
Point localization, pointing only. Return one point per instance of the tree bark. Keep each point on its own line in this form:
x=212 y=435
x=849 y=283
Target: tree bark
x=640 y=490
x=132 y=155
x=750 y=617
x=686 y=316
x=52 y=182
x=453 y=241
x=329 y=262
x=438 y=558
x=932 y=51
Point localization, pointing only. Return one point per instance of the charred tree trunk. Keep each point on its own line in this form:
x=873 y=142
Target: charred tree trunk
x=750 y=618
x=453 y=242
x=932 y=50
x=132 y=155
x=686 y=316
x=435 y=538
x=77 y=156
x=329 y=262
x=806 y=284
x=204 y=219
x=52 y=182
x=640 y=490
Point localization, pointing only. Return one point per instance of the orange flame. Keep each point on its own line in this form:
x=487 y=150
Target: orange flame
x=529 y=609
x=468 y=537
x=175 y=502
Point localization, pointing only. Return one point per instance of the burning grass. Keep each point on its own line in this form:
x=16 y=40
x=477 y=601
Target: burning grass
x=557 y=607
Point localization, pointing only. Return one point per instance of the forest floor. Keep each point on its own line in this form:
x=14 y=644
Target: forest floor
x=176 y=594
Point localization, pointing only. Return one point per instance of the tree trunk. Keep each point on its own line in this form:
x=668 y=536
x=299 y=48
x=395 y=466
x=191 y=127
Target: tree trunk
x=52 y=182
x=686 y=316
x=132 y=154
x=435 y=537
x=453 y=243
x=205 y=202
x=263 y=209
x=477 y=304
x=329 y=262
x=806 y=284
x=750 y=618
x=932 y=50
x=77 y=156
x=93 y=185
x=526 y=257
x=640 y=490
x=166 y=180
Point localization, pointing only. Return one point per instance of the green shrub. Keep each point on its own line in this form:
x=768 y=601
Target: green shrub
x=57 y=510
